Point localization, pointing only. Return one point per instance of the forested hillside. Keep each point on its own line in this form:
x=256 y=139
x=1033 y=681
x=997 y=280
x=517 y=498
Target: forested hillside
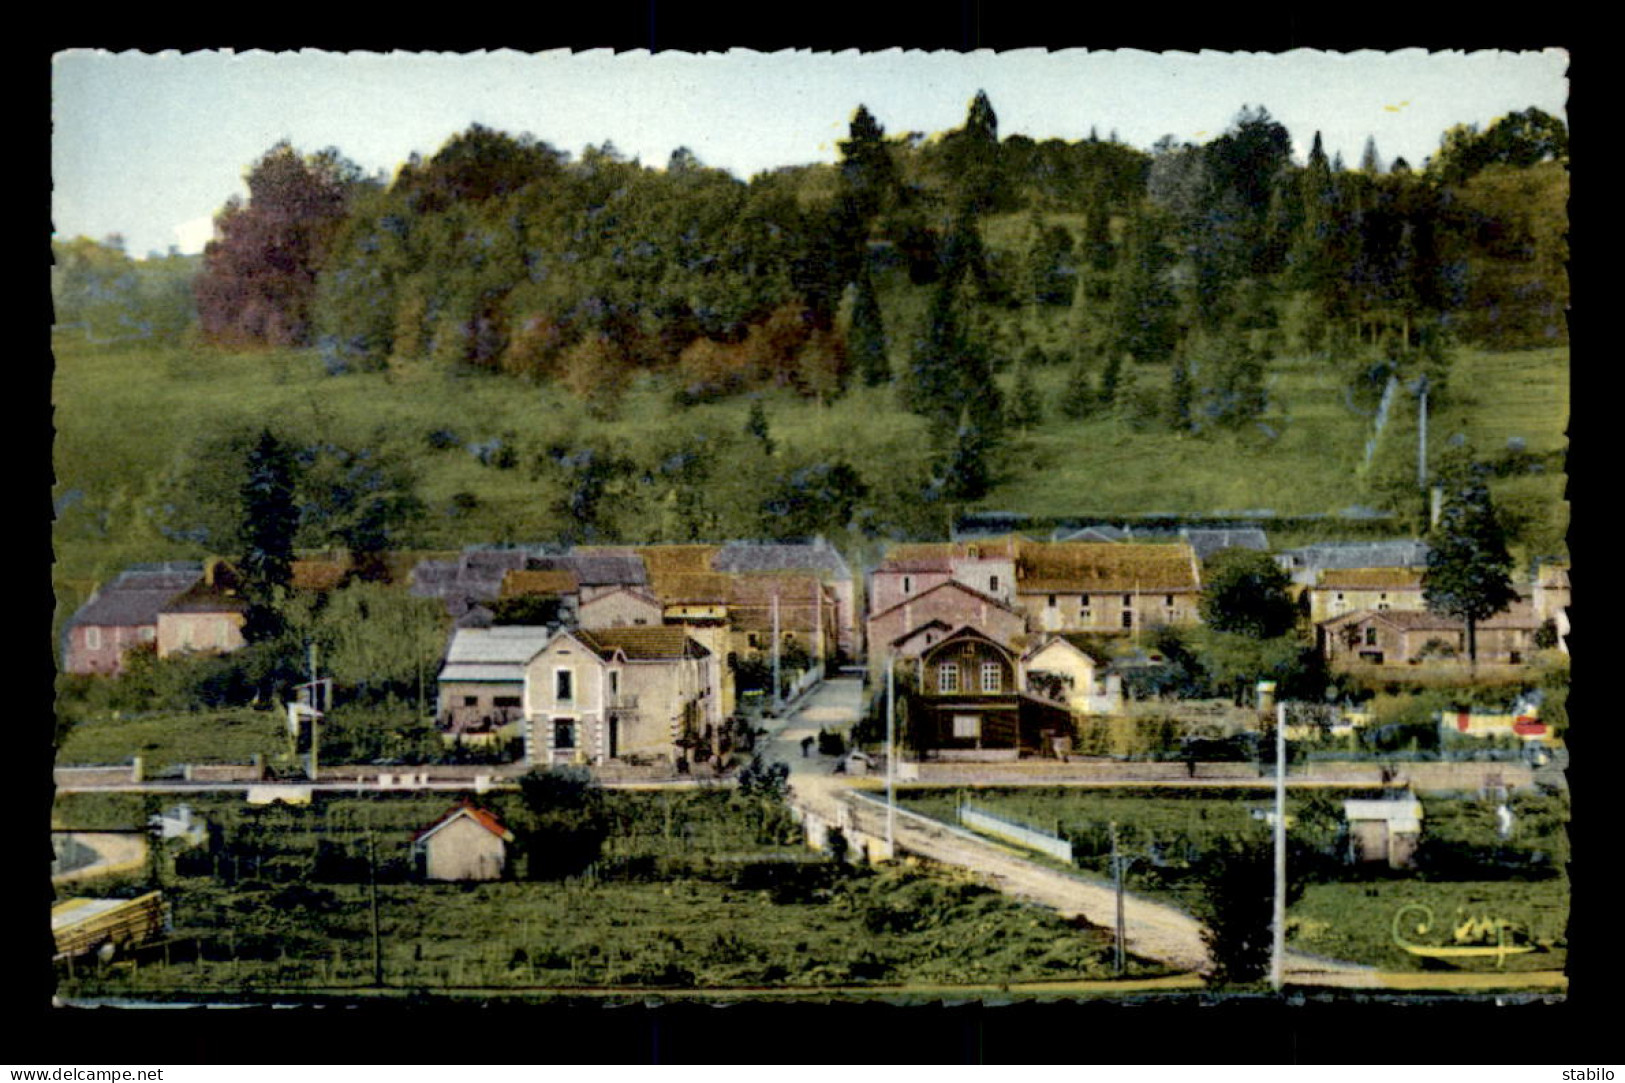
x=970 y=320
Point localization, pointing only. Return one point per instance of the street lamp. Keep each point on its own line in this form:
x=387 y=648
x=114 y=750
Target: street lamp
x=1278 y=920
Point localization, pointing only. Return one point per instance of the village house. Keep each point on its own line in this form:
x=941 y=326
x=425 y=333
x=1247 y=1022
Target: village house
x=1337 y=591
x=482 y=682
x=817 y=558
x=595 y=696
x=205 y=618
x=122 y=615
x=1306 y=563
x=1384 y=831
x=914 y=621
x=985 y=565
x=1203 y=540
x=1061 y=669
x=467 y=843
x=621 y=607
x=473 y=579
x=1117 y=587
x=969 y=704
x=1403 y=638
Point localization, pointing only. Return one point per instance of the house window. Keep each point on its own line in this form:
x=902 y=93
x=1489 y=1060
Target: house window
x=1128 y=600
x=992 y=582
x=948 y=677
x=471 y=701
x=1083 y=601
x=564 y=685
x=614 y=682
x=990 y=677
x=751 y=639
x=1052 y=601
x=93 y=639
x=1128 y=618
x=1371 y=637
x=639 y=620
x=1382 y=601
x=1168 y=600
x=564 y=734
x=967 y=726
x=908 y=584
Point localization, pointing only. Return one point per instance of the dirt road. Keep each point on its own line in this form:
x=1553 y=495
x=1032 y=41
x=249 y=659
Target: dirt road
x=1152 y=930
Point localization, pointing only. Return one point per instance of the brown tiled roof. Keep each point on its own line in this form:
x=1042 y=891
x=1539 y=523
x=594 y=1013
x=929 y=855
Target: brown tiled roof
x=642 y=644
x=216 y=592
x=691 y=588
x=1083 y=567
x=550 y=582
x=478 y=815
x=319 y=574
x=1519 y=616
x=1370 y=579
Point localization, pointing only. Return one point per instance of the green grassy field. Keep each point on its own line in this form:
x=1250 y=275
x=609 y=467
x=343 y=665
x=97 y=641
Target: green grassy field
x=736 y=913
x=233 y=736
x=1356 y=922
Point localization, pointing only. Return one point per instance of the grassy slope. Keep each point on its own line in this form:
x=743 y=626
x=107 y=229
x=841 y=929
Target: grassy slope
x=125 y=415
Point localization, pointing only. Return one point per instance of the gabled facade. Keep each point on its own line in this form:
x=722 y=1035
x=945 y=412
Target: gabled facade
x=621 y=607
x=467 y=843
x=952 y=605
x=969 y=703
x=122 y=615
x=595 y=696
x=986 y=566
x=206 y=618
x=1059 y=670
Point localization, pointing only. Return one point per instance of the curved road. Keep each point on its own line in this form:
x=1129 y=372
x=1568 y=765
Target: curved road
x=1153 y=930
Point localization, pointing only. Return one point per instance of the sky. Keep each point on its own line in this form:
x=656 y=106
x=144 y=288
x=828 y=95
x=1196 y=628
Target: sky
x=151 y=145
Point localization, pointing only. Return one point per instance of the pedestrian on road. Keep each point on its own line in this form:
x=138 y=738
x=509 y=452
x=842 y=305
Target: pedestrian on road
x=806 y=747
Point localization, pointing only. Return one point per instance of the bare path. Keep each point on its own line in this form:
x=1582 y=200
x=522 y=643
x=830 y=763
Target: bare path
x=1152 y=929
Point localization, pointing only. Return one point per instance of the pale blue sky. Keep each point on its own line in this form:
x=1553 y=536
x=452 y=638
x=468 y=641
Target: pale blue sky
x=151 y=145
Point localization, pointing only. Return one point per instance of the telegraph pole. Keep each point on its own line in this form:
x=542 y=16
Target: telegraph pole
x=775 y=652
x=891 y=759
x=1278 y=920
x=1117 y=876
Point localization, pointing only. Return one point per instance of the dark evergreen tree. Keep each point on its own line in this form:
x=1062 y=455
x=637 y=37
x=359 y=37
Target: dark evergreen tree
x=1025 y=408
x=756 y=425
x=270 y=519
x=1469 y=569
x=866 y=339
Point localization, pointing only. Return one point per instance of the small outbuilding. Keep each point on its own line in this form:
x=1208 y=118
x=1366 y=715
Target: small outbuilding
x=1384 y=830
x=467 y=843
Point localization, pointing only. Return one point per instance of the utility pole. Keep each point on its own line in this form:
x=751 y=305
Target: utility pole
x=1117 y=877
x=1278 y=920
x=372 y=891
x=775 y=652
x=891 y=760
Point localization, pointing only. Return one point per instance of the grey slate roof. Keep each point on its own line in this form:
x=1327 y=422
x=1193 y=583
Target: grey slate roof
x=1209 y=540
x=1322 y=556
x=600 y=569
x=136 y=596
x=816 y=556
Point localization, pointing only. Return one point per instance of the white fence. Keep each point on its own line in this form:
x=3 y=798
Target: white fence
x=988 y=823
